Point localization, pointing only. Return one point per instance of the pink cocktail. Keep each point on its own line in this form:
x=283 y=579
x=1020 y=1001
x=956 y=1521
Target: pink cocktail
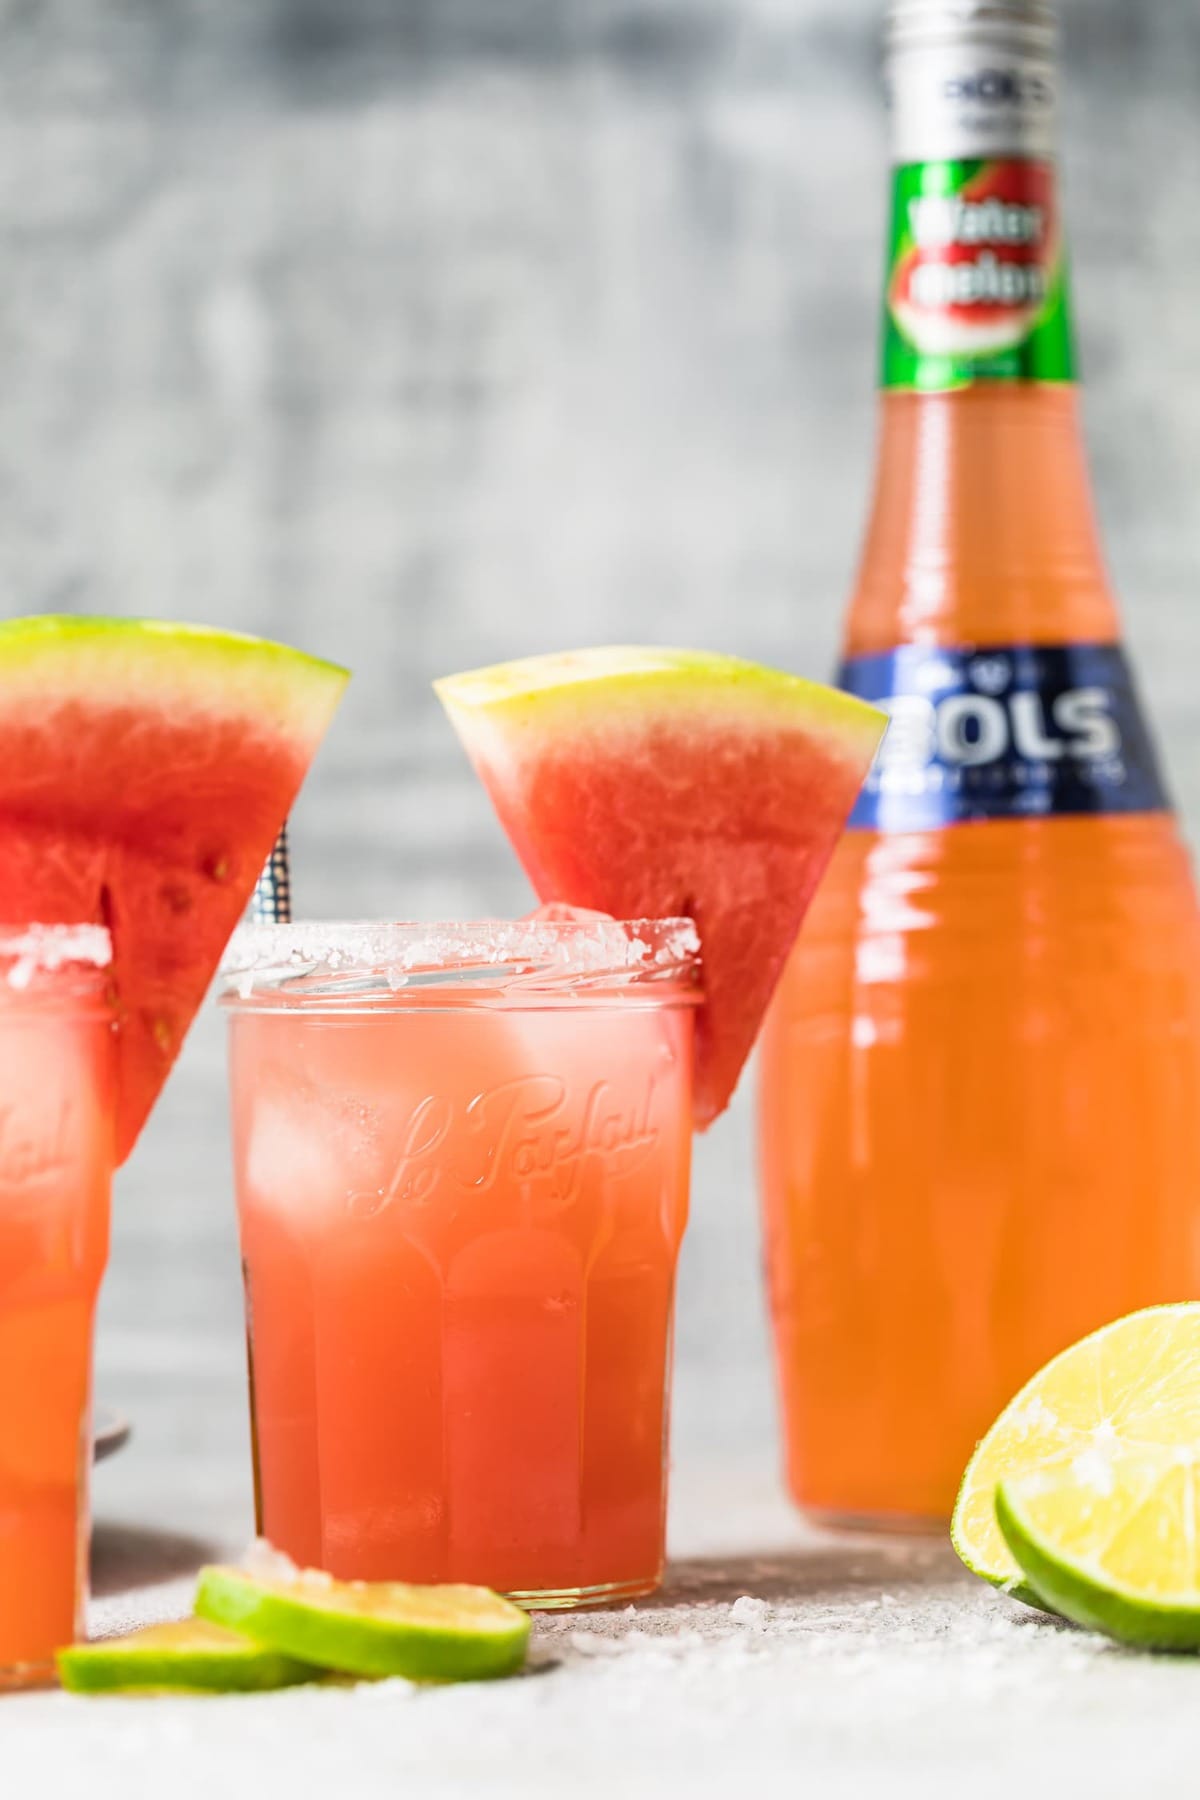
x=57 y=1098
x=462 y=1159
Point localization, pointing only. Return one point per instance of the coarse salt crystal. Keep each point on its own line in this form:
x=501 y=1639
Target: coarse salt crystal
x=746 y=1610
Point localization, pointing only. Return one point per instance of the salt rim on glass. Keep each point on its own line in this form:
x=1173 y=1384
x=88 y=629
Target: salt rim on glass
x=556 y=949
x=29 y=951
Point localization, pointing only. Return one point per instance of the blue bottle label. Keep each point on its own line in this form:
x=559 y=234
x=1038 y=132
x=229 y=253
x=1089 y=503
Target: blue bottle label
x=1022 y=731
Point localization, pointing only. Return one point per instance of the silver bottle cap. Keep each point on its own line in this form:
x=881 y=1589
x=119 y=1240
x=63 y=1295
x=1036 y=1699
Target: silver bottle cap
x=971 y=78
x=1022 y=24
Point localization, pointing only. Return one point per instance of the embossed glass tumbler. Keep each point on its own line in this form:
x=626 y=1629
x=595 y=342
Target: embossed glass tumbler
x=462 y=1158
x=57 y=1141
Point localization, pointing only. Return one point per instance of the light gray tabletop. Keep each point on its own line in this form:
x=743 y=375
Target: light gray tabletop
x=775 y=1660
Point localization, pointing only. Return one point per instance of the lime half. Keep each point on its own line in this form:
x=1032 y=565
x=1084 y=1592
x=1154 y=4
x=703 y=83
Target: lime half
x=371 y=1628
x=1117 y=1552
x=1127 y=1392
x=193 y=1655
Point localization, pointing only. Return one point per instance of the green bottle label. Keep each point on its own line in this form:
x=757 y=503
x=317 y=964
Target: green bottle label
x=977 y=280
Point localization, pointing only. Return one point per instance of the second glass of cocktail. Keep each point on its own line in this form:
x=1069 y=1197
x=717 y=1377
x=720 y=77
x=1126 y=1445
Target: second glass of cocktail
x=462 y=1160
x=57 y=1149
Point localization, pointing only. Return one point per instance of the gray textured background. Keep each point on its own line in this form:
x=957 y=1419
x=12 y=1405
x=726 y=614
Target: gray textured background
x=427 y=332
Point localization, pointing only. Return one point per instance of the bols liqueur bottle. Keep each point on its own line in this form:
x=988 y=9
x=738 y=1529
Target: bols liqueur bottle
x=981 y=1079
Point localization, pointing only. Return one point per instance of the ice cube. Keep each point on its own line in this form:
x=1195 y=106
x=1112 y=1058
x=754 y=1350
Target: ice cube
x=297 y=1164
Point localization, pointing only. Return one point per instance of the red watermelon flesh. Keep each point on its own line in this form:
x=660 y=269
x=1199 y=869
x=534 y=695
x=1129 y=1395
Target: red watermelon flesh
x=145 y=771
x=667 y=783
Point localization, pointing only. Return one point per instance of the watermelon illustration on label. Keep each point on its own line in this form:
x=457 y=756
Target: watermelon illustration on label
x=977 y=284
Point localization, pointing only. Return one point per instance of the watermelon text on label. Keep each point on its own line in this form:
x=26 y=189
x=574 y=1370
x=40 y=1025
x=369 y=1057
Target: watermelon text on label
x=976 y=289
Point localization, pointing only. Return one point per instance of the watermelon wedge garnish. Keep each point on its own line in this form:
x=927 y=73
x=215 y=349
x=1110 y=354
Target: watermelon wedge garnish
x=145 y=771
x=661 y=783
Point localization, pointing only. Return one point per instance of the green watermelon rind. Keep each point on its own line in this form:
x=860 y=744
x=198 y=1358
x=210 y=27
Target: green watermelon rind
x=659 y=782
x=111 y=659
x=586 y=680
x=86 y=702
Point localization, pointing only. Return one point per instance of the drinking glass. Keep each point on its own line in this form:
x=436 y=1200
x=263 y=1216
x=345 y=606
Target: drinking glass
x=462 y=1156
x=57 y=1099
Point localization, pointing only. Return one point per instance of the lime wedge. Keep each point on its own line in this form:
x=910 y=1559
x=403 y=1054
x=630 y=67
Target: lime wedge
x=1114 y=1551
x=192 y=1655
x=1127 y=1392
x=371 y=1628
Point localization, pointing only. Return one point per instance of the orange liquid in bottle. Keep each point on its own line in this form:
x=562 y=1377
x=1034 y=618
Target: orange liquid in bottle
x=981 y=1080
x=981 y=1076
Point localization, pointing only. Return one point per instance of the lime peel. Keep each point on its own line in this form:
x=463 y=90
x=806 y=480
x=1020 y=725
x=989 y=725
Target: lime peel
x=1084 y=1401
x=188 y=1656
x=1078 y=1588
x=371 y=1629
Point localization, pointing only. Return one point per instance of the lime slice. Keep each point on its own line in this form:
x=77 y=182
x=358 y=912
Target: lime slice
x=192 y=1655
x=1129 y=1390
x=371 y=1627
x=1113 y=1547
